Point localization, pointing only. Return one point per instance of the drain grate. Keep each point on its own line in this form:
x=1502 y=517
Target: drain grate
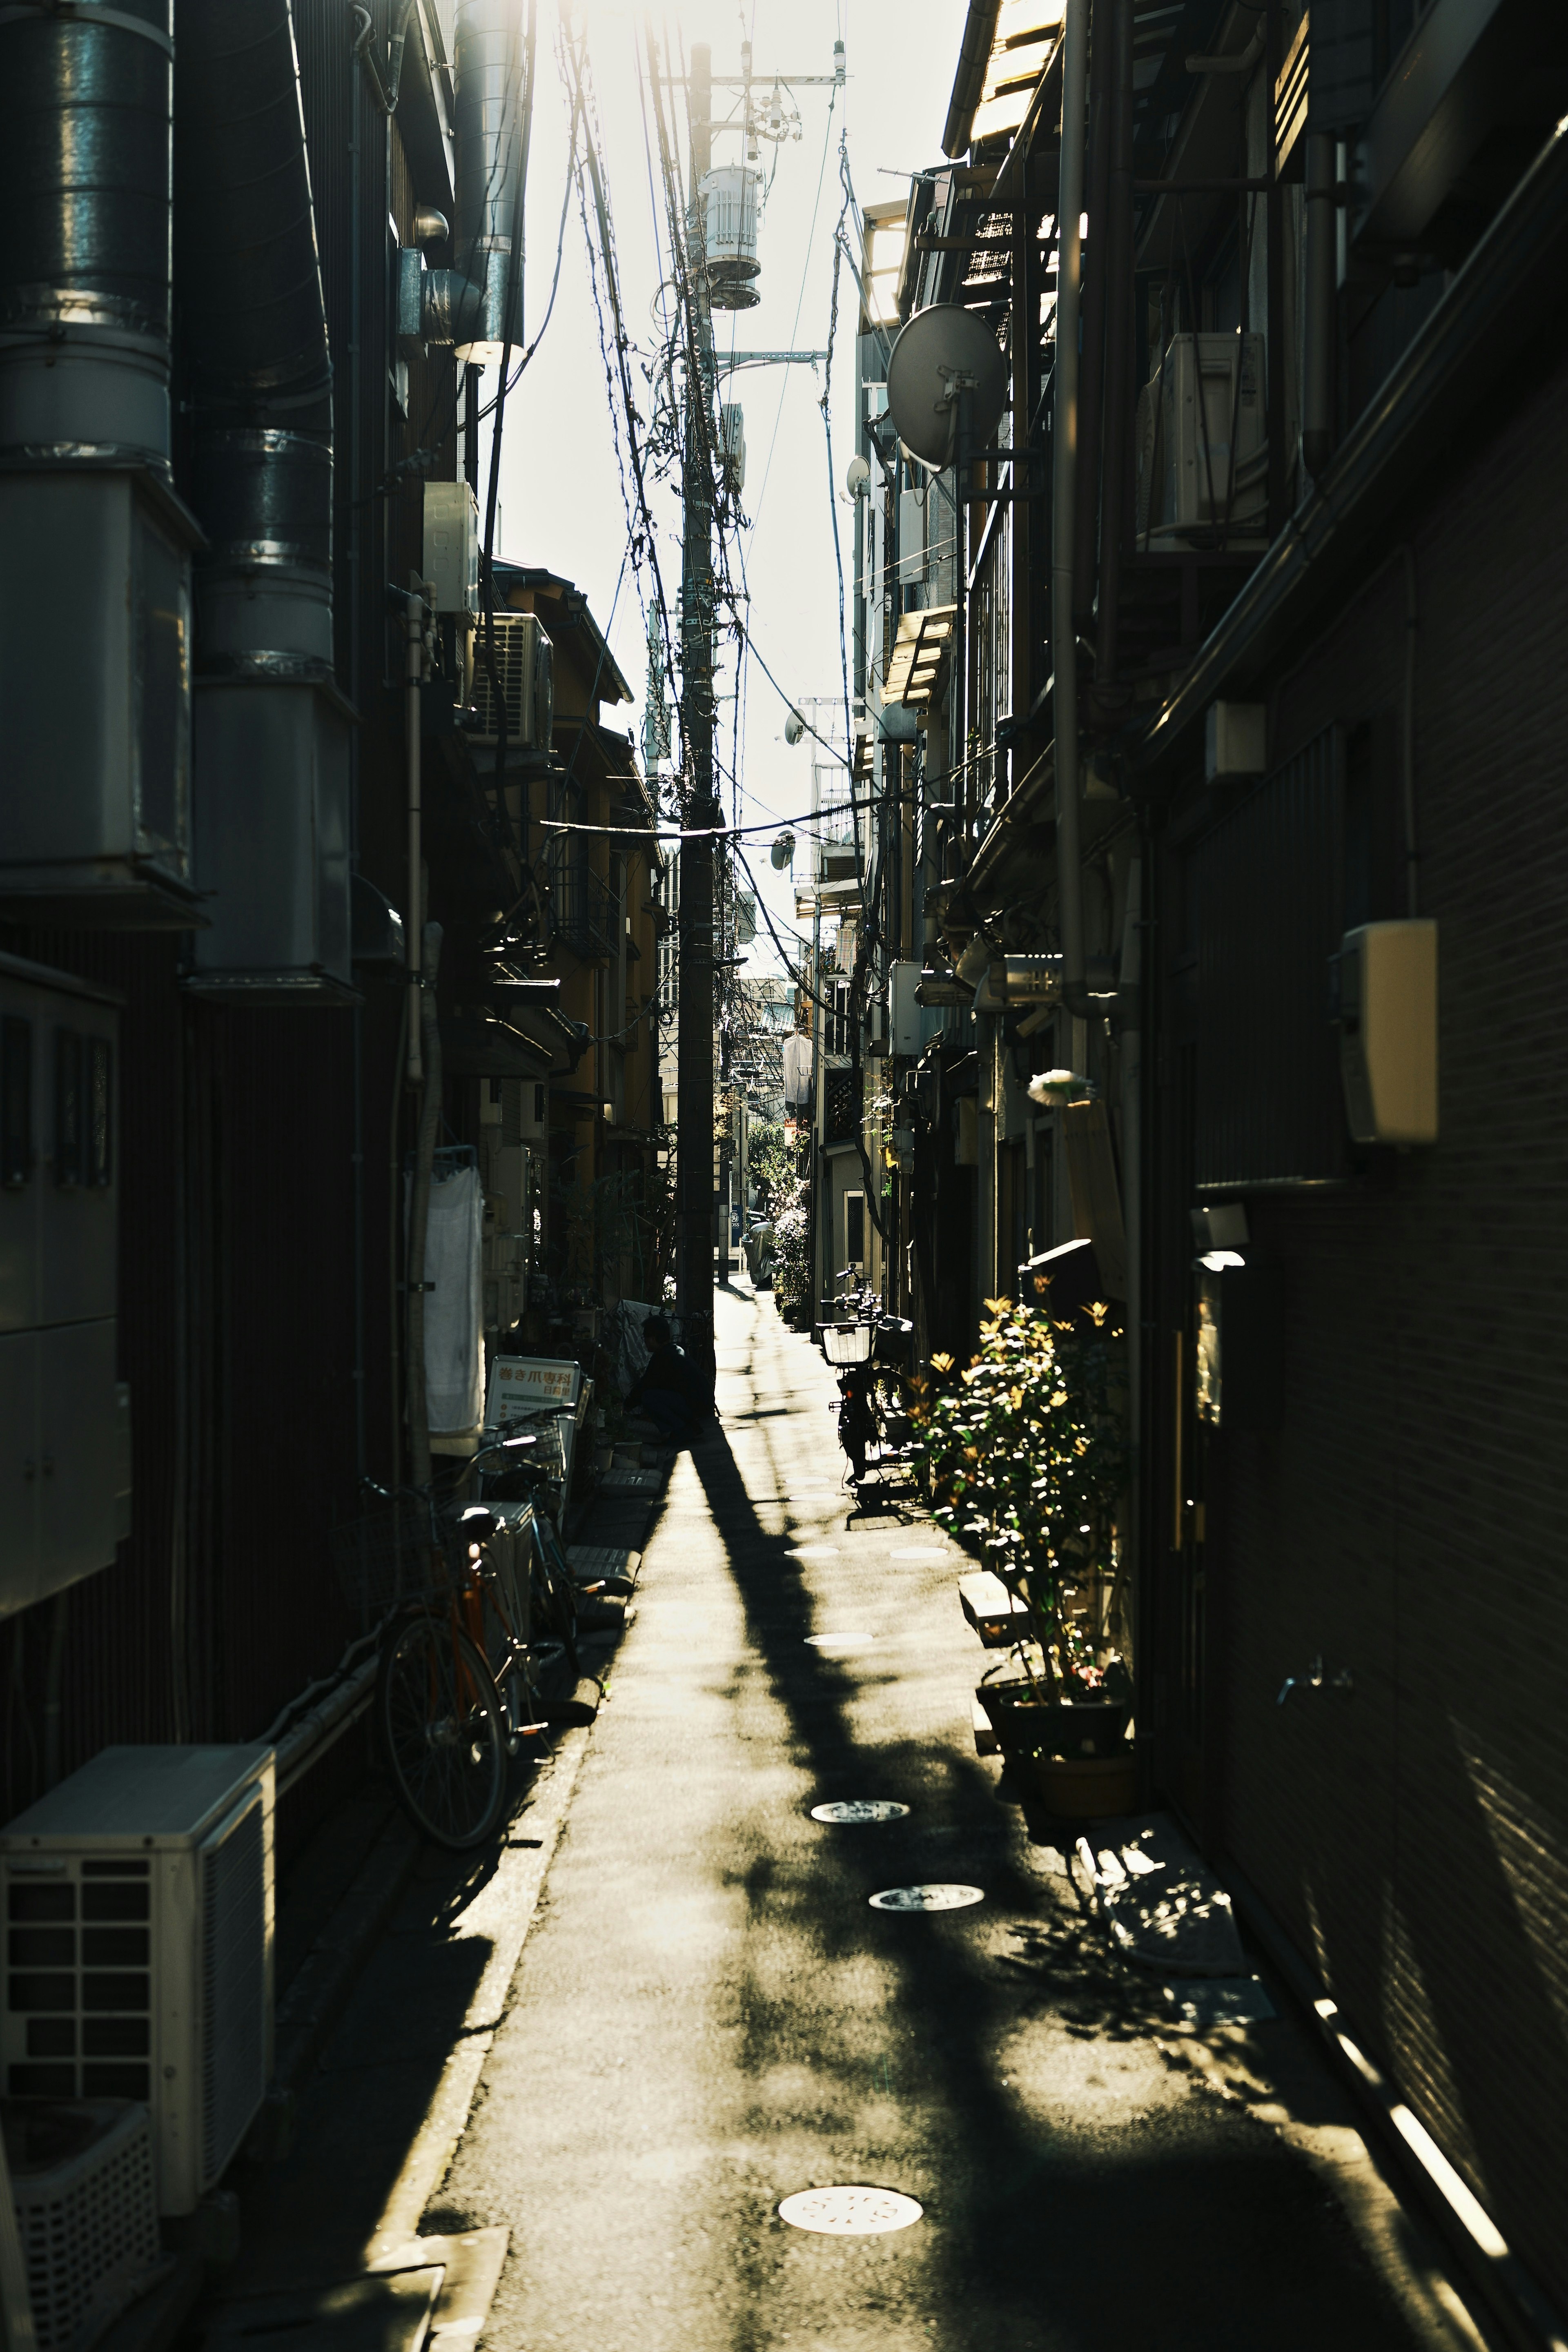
x=849 y=2212
x=860 y=1808
x=927 y=1898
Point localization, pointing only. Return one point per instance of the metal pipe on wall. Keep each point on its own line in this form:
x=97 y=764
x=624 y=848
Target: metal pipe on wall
x=1064 y=643
x=1092 y=361
x=1120 y=298
x=1318 y=388
x=413 y=676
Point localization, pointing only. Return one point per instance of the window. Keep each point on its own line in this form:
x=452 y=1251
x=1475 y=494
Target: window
x=16 y=1101
x=99 y=1082
x=70 y=1108
x=854 y=1228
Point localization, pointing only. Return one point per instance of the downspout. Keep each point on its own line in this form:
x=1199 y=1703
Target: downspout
x=1129 y=996
x=1119 y=297
x=419 y=1211
x=1317 y=391
x=1064 y=488
x=413 y=675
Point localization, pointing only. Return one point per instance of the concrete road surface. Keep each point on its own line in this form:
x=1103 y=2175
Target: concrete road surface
x=709 y=2016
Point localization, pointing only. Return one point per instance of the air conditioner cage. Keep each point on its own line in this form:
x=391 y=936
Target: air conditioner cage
x=87 y=2209
x=524 y=670
x=138 y=1900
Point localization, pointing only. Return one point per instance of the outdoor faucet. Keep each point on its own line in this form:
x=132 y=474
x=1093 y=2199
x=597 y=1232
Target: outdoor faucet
x=1313 y=1679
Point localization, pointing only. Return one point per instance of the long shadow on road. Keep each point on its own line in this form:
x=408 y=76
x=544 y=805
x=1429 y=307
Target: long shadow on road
x=1192 y=2225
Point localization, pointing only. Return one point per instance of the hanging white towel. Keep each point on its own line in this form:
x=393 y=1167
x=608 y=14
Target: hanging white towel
x=454 y=1332
x=796 y=1071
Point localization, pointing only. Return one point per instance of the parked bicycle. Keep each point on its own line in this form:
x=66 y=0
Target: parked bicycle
x=463 y=1588
x=865 y=1349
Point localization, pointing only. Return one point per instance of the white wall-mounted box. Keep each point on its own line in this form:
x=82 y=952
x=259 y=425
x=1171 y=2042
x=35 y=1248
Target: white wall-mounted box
x=1388 y=1032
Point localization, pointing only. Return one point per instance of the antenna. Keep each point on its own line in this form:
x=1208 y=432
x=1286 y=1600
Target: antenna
x=943 y=351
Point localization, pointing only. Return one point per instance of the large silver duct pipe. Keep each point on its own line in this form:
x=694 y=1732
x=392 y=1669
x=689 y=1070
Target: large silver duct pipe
x=86 y=100
x=254 y=321
x=489 y=74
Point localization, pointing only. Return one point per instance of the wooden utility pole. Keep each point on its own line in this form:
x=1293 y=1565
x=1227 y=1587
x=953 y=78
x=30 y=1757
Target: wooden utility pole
x=694 y=1190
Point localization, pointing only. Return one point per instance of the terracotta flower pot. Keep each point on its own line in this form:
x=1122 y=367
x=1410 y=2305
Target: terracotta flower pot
x=1027 y=1725
x=1082 y=1787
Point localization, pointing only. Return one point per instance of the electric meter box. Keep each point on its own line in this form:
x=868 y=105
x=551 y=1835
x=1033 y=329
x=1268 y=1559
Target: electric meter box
x=452 y=546
x=1388 y=1032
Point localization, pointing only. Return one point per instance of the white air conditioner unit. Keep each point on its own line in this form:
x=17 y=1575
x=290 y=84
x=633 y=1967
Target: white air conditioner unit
x=139 y=1943
x=1204 y=407
x=524 y=671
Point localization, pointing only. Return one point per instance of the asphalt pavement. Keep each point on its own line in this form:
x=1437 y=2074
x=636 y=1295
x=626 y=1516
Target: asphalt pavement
x=709 y=2016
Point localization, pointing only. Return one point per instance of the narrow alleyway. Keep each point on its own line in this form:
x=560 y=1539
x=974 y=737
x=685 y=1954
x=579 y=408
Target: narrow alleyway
x=709 y=2016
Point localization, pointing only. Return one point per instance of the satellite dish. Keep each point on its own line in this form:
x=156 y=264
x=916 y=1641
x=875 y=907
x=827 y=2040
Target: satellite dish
x=858 y=478
x=782 y=853
x=944 y=351
x=794 y=727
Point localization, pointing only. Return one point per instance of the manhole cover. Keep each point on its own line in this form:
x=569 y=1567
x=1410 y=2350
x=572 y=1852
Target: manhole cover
x=840 y=1641
x=849 y=2212
x=860 y=1808
x=927 y=1898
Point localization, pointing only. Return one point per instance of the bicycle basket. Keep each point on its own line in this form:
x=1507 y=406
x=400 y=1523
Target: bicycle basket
x=847 y=1343
x=403 y=1551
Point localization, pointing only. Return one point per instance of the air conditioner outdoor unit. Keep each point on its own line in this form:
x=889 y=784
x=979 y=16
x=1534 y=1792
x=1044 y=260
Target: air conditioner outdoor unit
x=1205 y=405
x=525 y=672
x=139 y=1931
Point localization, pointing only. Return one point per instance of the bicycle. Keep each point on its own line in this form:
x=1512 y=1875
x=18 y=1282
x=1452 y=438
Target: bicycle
x=458 y=1678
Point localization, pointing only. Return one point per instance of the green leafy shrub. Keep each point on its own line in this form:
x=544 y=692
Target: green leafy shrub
x=791 y=1247
x=1025 y=1456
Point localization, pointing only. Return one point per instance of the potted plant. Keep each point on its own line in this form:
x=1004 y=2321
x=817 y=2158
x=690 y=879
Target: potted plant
x=1025 y=1456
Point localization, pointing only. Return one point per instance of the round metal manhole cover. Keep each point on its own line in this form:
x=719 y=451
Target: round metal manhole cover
x=927 y=1898
x=839 y=1640
x=860 y=1808
x=849 y=2212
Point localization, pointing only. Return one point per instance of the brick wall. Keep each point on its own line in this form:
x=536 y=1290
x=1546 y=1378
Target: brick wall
x=1409 y=1520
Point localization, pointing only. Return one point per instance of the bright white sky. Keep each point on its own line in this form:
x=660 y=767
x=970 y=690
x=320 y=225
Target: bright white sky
x=560 y=488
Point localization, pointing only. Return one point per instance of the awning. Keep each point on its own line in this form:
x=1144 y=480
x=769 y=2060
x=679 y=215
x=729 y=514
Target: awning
x=919 y=653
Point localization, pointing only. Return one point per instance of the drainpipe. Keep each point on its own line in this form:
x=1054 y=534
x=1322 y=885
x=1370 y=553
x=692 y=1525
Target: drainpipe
x=1119 y=296
x=1318 y=391
x=419 y=1211
x=414 y=672
x=1069 y=202
x=1130 y=995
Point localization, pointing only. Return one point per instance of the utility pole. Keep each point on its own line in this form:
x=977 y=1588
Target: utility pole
x=695 y=1190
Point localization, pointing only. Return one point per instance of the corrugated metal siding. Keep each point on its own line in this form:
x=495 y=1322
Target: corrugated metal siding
x=1410 y=1519
x=121 y=1678
x=1269 y=913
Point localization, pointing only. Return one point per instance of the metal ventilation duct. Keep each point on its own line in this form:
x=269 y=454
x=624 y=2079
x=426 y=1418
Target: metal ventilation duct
x=271 y=737
x=85 y=108
x=489 y=60
x=95 y=590
x=250 y=284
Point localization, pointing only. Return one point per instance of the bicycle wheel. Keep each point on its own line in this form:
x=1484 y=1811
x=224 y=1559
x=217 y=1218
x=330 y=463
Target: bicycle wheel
x=441 y=1726
x=555 y=1595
